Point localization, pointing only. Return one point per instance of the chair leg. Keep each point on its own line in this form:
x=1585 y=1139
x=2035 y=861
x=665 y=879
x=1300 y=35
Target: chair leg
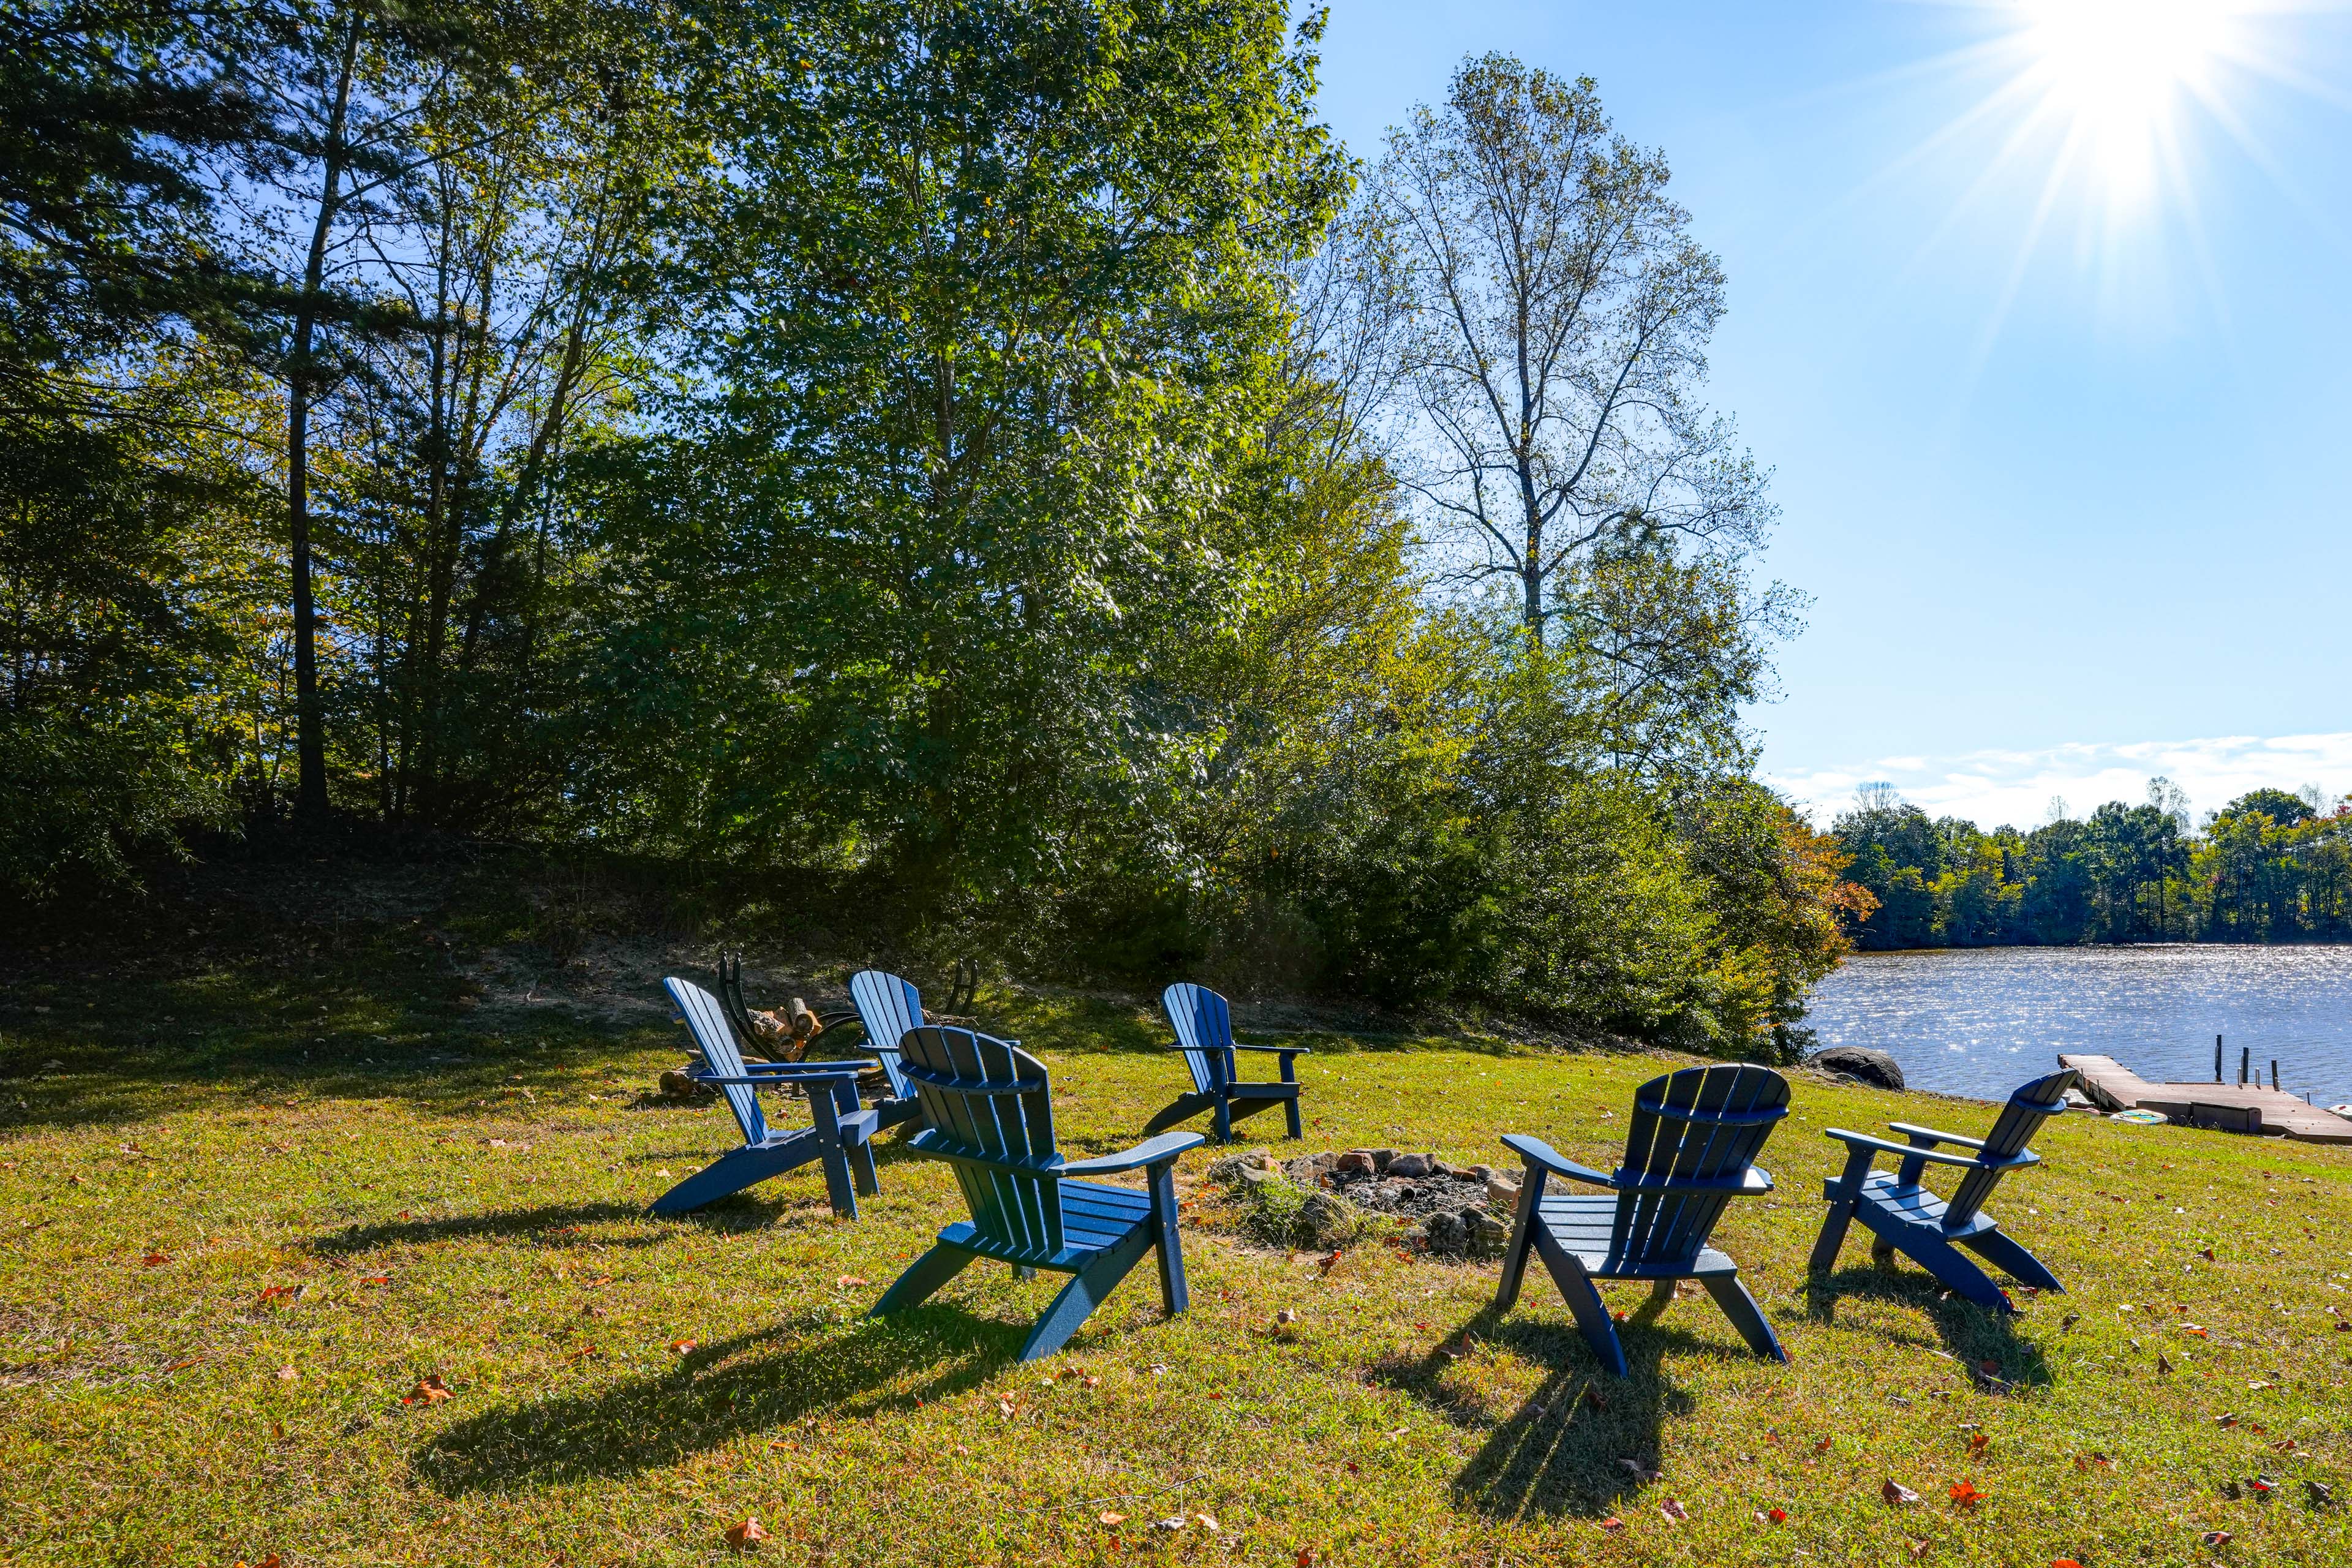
x=826 y=1113
x=922 y=1278
x=1514 y=1257
x=1584 y=1302
x=1745 y=1314
x=1084 y=1293
x=2002 y=1252
x=1221 y=1120
x=1832 y=1237
x=1842 y=1193
x=1173 y=1295
x=734 y=1171
x=1290 y=1107
x=861 y=1153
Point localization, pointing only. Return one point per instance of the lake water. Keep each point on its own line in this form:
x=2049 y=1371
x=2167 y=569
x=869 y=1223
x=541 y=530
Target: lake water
x=1981 y=1021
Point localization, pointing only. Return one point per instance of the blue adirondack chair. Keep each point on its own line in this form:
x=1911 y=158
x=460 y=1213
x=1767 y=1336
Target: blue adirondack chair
x=888 y=1007
x=1690 y=1149
x=989 y=1112
x=1903 y=1216
x=1204 y=1034
x=837 y=1135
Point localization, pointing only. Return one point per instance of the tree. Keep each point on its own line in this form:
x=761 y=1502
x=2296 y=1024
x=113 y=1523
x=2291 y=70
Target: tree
x=117 y=282
x=1556 y=317
x=990 y=322
x=2284 y=809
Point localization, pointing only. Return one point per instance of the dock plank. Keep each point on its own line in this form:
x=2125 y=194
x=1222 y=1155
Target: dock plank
x=2115 y=1087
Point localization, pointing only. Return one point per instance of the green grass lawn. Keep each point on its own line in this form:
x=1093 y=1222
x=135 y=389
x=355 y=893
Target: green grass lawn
x=224 y=1263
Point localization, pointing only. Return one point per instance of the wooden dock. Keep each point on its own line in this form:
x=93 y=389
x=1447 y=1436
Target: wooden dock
x=2233 y=1108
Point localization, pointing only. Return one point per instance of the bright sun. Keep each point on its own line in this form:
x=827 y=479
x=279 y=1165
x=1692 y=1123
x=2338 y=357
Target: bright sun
x=2117 y=69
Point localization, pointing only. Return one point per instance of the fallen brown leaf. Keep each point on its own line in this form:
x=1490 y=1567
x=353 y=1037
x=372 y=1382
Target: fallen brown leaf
x=1898 y=1494
x=429 y=1390
x=746 y=1536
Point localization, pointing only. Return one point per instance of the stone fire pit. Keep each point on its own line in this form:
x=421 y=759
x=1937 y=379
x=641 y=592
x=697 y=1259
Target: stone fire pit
x=1338 y=1197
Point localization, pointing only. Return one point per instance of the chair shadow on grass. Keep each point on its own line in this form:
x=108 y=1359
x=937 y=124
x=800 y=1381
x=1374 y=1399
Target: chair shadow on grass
x=562 y=1224
x=1967 y=1332
x=1561 y=1453
x=720 y=1390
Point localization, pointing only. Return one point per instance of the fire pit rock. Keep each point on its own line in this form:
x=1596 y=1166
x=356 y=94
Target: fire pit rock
x=1453 y=1211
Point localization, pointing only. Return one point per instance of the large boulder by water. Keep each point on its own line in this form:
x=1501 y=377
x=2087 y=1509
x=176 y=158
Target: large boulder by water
x=1860 y=1063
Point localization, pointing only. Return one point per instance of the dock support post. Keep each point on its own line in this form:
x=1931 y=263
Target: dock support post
x=2216 y=1058
x=2245 y=1061
x=2274 y=1072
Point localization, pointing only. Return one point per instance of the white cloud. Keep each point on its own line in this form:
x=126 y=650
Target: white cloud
x=1993 y=787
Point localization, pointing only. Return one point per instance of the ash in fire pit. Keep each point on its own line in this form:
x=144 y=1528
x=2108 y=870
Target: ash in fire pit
x=1454 y=1211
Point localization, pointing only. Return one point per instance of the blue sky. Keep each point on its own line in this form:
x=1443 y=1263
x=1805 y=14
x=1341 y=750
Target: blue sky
x=2043 y=314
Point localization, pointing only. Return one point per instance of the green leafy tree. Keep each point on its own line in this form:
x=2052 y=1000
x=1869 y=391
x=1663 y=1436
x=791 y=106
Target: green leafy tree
x=992 y=313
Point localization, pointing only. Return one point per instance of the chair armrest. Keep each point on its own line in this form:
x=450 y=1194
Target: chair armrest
x=1930 y=1135
x=793 y=1072
x=706 y=1074
x=1150 y=1152
x=1539 y=1154
x=1907 y=1151
x=1280 y=1050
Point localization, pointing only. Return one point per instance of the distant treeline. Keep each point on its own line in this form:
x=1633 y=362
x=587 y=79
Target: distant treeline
x=2270 y=867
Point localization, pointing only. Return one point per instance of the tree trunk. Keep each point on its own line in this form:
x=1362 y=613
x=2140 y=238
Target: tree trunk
x=309 y=716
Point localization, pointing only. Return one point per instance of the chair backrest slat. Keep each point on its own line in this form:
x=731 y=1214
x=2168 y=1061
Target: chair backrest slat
x=994 y=1099
x=888 y=1007
x=705 y=1020
x=1700 y=1124
x=2012 y=1130
x=1204 y=1027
